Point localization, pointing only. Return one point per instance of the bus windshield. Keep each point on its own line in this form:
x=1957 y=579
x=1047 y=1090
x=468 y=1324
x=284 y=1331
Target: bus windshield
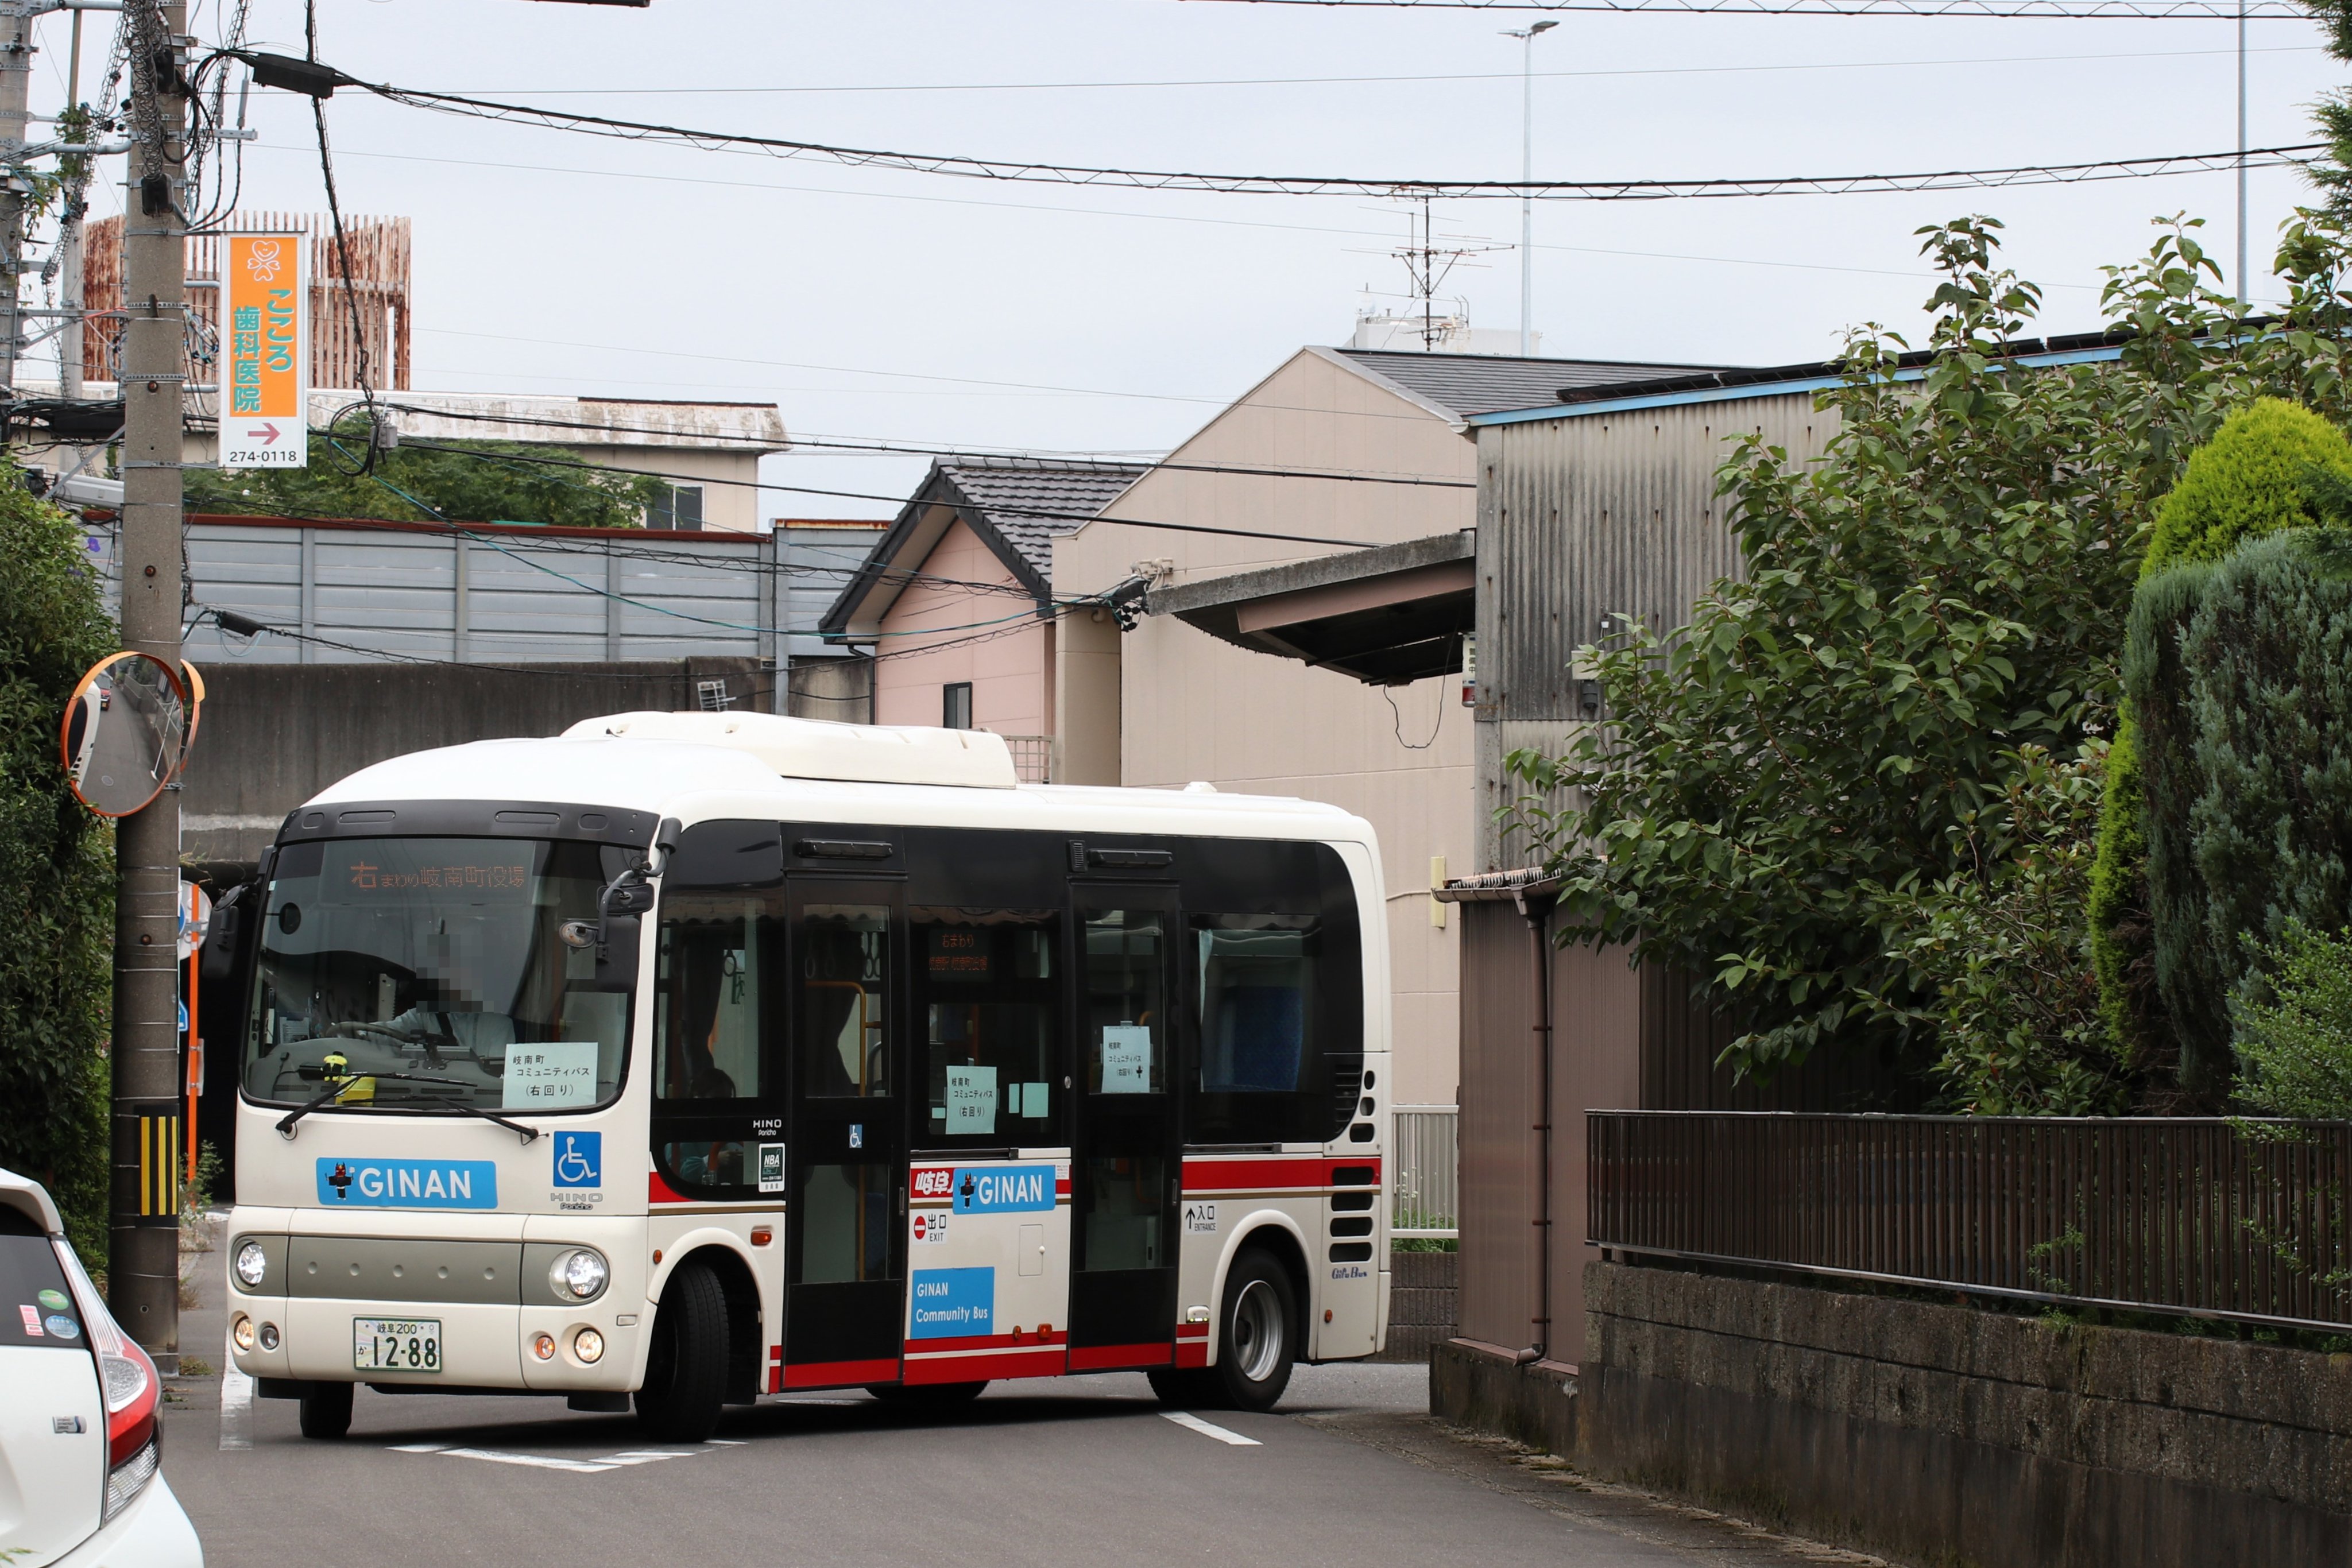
x=439 y=959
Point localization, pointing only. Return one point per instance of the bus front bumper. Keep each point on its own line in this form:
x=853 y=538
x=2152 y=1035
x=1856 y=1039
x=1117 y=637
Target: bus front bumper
x=530 y=1348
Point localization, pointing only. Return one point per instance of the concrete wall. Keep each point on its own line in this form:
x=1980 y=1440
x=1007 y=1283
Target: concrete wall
x=272 y=736
x=1946 y=1435
x=935 y=635
x=1187 y=706
x=1424 y=1304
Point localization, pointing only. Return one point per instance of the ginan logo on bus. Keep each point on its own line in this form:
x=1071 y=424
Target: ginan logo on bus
x=407 y=1183
x=1003 y=1189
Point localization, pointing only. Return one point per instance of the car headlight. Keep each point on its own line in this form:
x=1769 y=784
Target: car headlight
x=579 y=1274
x=252 y=1265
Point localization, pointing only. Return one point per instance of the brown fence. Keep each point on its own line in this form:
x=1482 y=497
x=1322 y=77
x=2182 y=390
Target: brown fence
x=2244 y=1221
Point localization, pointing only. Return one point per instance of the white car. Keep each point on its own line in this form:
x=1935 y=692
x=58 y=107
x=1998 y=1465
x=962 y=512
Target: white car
x=79 y=1443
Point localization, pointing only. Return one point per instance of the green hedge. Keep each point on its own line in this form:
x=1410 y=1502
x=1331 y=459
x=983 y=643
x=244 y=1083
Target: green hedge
x=2252 y=480
x=57 y=869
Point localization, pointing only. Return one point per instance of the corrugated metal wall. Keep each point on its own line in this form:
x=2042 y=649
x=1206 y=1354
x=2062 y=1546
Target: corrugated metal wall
x=1592 y=514
x=507 y=595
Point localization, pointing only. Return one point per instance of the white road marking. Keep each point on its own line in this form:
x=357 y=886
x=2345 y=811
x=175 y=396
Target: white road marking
x=237 y=1401
x=1193 y=1423
x=551 y=1462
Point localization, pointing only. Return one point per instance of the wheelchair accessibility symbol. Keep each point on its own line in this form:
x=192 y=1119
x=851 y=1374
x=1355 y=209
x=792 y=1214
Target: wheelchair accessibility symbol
x=579 y=1159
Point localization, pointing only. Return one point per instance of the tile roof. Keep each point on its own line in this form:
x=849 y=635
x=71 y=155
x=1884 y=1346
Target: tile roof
x=1031 y=501
x=1483 y=383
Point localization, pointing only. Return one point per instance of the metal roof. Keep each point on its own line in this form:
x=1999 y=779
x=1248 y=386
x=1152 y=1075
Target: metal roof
x=1018 y=506
x=1481 y=384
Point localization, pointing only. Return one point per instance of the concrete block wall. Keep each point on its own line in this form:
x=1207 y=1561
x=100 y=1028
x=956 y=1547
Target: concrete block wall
x=1938 y=1434
x=1423 y=1288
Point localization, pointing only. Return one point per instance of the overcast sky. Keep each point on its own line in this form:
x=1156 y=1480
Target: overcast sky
x=927 y=309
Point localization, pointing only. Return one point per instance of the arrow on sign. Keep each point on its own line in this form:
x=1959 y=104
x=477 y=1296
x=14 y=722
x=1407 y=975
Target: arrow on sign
x=268 y=433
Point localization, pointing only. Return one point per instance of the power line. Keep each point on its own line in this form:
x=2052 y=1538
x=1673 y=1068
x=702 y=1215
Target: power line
x=968 y=166
x=1145 y=83
x=2112 y=10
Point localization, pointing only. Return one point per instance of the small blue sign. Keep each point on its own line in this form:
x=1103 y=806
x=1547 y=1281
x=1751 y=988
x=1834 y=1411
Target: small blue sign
x=953 y=1303
x=65 y=1327
x=1003 y=1189
x=579 y=1159
x=407 y=1183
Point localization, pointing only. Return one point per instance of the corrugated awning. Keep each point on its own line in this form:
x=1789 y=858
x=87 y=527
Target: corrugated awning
x=1387 y=616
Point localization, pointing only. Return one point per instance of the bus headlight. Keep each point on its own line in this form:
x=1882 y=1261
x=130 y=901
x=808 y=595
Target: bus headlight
x=269 y=1336
x=579 y=1274
x=252 y=1265
x=242 y=1331
x=589 y=1346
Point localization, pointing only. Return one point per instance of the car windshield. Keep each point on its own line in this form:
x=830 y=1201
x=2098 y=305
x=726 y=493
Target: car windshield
x=441 y=959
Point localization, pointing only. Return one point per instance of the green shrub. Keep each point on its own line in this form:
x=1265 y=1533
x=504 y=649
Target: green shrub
x=2294 y=1037
x=57 y=880
x=2255 y=478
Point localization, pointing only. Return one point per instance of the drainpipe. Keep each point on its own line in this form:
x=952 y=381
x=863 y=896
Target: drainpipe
x=1536 y=909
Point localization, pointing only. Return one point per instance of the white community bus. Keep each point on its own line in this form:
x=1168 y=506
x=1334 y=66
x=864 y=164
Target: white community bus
x=695 y=1057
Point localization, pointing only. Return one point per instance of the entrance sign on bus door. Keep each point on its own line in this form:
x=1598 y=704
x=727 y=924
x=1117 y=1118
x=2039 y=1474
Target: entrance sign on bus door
x=265 y=352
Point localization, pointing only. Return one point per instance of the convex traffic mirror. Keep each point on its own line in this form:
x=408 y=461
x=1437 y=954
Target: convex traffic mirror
x=126 y=732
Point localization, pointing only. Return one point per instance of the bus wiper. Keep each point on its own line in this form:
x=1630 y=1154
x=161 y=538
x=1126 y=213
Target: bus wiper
x=530 y=1134
x=286 y=1122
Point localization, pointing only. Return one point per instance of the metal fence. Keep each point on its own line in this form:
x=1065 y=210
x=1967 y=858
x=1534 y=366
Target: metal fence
x=1032 y=756
x=2241 y=1221
x=1425 y=1196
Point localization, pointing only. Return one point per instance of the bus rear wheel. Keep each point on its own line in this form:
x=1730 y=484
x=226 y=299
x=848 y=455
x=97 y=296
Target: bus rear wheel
x=326 y=1409
x=686 y=1367
x=1257 y=1333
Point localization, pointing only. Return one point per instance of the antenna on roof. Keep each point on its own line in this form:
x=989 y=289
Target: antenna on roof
x=1428 y=265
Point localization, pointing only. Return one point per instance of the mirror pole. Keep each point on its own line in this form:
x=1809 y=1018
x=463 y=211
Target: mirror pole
x=142 y=1278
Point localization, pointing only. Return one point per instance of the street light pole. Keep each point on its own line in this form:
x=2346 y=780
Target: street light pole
x=2243 y=293
x=1527 y=37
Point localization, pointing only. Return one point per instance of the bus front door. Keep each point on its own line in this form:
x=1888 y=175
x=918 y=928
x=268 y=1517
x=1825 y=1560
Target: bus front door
x=1125 y=1162
x=845 y=1266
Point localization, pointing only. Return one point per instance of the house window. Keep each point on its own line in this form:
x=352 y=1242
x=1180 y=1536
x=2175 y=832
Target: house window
x=955 y=706
x=677 y=506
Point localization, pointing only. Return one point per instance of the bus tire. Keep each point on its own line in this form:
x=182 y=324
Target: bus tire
x=926 y=1395
x=326 y=1409
x=1257 y=1334
x=686 y=1368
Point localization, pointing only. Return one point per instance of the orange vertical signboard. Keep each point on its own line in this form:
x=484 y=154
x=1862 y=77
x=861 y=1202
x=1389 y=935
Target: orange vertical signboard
x=265 y=352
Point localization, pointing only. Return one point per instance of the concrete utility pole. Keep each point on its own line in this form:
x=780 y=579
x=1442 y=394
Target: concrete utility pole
x=16 y=89
x=1527 y=37
x=143 y=1284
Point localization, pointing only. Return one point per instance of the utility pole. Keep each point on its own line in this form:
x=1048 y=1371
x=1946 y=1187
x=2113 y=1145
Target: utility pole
x=143 y=1280
x=1527 y=37
x=2243 y=291
x=71 y=280
x=15 y=103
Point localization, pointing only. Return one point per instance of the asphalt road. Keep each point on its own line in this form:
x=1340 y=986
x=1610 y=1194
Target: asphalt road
x=1066 y=1471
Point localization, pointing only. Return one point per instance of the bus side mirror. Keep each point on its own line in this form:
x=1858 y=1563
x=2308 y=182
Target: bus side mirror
x=616 y=953
x=218 y=961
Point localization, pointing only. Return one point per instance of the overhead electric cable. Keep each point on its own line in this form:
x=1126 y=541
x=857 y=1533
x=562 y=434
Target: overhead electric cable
x=2104 y=10
x=969 y=166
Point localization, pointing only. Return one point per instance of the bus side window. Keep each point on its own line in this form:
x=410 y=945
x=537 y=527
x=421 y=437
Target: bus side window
x=844 y=960
x=987 y=996
x=709 y=1067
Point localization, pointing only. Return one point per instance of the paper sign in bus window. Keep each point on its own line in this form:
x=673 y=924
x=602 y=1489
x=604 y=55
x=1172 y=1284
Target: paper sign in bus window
x=971 y=1099
x=1033 y=1102
x=1125 y=1059
x=545 y=1074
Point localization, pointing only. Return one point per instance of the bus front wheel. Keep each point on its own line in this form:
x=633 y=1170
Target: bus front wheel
x=326 y=1409
x=686 y=1368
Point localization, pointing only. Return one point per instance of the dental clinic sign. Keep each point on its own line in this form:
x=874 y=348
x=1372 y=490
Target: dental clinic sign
x=265 y=352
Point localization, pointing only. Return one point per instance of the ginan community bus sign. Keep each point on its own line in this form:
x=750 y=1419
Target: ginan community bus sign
x=265 y=352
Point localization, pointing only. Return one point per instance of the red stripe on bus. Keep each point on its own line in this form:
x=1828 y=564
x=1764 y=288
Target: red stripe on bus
x=1192 y=1331
x=1046 y=1360
x=1192 y=1353
x=659 y=1191
x=1112 y=1357
x=988 y=1341
x=1298 y=1172
x=840 y=1373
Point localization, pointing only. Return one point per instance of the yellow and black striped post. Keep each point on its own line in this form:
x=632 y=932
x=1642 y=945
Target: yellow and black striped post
x=147 y=1162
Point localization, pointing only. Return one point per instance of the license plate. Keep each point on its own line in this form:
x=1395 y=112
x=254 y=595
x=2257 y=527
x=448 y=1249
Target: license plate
x=397 y=1344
